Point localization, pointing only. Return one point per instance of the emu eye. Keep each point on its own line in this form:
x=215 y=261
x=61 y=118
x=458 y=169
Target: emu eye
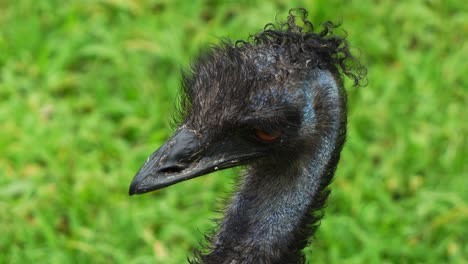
x=269 y=136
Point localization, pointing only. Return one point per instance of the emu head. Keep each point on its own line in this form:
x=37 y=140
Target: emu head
x=250 y=103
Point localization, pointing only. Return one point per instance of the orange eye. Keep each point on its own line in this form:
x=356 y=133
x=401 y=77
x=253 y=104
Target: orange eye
x=267 y=136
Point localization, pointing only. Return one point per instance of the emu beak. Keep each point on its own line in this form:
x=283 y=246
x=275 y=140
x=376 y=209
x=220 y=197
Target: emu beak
x=183 y=157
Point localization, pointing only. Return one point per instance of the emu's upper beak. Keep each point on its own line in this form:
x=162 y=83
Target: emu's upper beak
x=183 y=157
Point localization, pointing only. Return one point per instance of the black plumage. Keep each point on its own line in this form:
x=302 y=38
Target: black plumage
x=275 y=104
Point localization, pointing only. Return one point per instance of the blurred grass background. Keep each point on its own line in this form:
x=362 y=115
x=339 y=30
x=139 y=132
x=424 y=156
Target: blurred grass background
x=86 y=94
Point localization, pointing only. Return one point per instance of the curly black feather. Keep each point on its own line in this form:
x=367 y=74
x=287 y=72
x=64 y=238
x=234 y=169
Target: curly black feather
x=322 y=49
x=294 y=49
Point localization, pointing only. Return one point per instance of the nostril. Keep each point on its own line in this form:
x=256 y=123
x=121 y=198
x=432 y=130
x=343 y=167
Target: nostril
x=172 y=169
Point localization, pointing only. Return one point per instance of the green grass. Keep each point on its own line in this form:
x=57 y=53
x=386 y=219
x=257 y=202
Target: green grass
x=86 y=94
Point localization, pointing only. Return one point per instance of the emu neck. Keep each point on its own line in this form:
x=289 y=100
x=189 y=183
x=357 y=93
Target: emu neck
x=271 y=217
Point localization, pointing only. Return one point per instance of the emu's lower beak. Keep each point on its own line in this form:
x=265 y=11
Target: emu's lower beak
x=183 y=157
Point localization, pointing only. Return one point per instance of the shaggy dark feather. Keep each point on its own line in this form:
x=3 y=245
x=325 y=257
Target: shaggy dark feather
x=285 y=82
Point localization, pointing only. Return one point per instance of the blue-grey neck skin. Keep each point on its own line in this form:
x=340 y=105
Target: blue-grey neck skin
x=271 y=217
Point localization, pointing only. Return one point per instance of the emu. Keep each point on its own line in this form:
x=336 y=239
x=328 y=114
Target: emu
x=276 y=105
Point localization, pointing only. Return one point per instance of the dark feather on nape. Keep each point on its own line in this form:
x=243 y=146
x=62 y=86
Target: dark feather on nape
x=323 y=49
x=295 y=40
